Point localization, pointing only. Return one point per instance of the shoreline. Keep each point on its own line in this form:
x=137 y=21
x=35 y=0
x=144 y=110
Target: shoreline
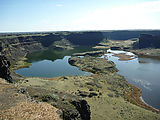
x=134 y=96
x=138 y=101
x=148 y=104
x=154 y=53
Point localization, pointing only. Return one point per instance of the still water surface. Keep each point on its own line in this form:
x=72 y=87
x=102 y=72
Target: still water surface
x=52 y=63
x=144 y=73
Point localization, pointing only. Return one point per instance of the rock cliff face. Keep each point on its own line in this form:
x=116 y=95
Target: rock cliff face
x=81 y=111
x=0 y=46
x=85 y=38
x=16 y=47
x=4 y=68
x=149 y=41
x=128 y=34
x=83 y=108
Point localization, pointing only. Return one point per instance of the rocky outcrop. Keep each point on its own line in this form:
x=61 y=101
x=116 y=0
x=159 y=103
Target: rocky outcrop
x=73 y=107
x=0 y=46
x=115 y=48
x=91 y=53
x=5 y=69
x=83 y=108
x=149 y=41
x=80 y=112
x=16 y=48
x=17 y=106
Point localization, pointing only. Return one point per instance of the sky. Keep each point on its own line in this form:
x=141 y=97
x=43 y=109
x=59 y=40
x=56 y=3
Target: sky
x=76 y=15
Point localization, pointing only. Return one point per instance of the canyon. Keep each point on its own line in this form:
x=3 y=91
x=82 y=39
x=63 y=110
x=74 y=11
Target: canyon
x=103 y=95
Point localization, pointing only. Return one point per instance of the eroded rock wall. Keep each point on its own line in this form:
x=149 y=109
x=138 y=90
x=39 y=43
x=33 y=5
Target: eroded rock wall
x=5 y=69
x=17 y=47
x=85 y=38
x=149 y=41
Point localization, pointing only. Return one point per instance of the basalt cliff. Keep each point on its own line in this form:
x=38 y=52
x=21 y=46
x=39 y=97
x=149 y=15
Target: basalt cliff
x=19 y=46
x=149 y=41
x=5 y=68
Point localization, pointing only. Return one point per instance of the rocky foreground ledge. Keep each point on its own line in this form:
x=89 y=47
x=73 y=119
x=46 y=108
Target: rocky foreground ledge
x=17 y=106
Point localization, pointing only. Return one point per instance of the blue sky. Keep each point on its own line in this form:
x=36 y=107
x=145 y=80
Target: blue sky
x=60 y=15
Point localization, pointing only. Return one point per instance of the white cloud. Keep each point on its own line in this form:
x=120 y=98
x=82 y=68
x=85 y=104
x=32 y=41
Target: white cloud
x=59 y=5
x=144 y=15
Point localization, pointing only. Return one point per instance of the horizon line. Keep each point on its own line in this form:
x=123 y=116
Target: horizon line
x=78 y=30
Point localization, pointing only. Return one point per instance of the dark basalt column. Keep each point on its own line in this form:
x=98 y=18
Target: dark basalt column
x=83 y=108
x=4 y=69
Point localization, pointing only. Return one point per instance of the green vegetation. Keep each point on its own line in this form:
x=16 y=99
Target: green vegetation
x=21 y=64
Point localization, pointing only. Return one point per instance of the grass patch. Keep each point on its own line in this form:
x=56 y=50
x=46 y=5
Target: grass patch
x=21 y=64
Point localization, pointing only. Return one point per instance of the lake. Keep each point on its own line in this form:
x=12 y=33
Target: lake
x=142 y=72
x=52 y=63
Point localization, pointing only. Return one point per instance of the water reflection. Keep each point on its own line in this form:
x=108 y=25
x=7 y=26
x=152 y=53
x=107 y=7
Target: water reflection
x=52 y=54
x=144 y=73
x=52 y=63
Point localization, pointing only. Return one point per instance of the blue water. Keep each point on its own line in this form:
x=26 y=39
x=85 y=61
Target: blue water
x=144 y=73
x=50 y=69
